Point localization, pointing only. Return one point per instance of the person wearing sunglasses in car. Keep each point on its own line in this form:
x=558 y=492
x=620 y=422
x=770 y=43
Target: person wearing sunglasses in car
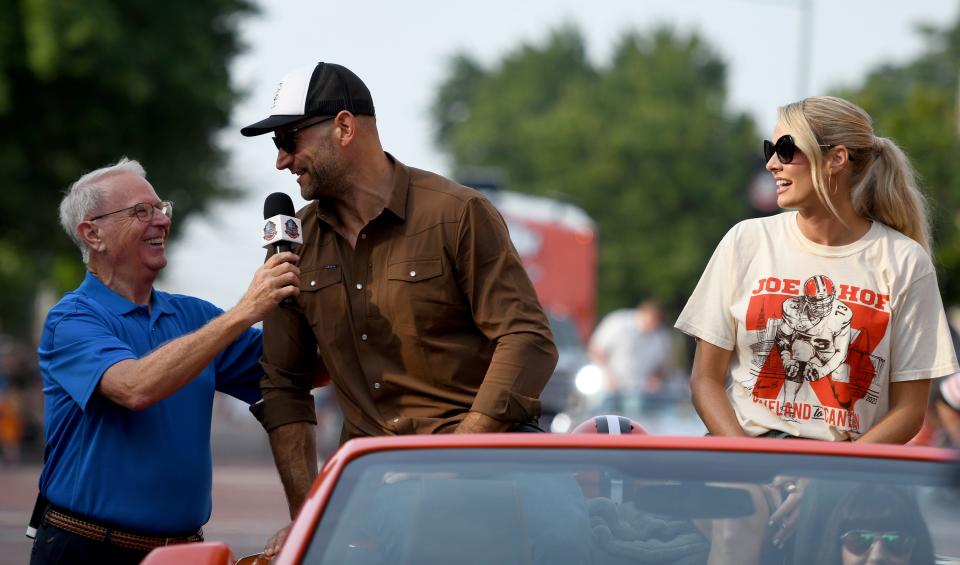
x=827 y=316
x=129 y=375
x=876 y=525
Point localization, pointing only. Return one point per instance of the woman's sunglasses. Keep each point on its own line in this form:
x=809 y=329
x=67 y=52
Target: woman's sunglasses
x=785 y=148
x=859 y=542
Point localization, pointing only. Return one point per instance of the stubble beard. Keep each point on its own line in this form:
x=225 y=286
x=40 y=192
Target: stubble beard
x=327 y=181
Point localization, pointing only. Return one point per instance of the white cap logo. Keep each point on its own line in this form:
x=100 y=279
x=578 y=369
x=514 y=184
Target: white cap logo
x=291 y=96
x=276 y=96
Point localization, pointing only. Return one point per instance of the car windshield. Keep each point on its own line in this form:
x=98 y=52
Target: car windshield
x=600 y=506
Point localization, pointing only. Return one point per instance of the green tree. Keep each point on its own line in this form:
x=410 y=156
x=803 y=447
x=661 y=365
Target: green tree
x=916 y=105
x=87 y=81
x=645 y=144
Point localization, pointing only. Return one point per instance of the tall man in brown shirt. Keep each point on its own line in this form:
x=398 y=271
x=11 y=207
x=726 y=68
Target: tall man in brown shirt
x=412 y=298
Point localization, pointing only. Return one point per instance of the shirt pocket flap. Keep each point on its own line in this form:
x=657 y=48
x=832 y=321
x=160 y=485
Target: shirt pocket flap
x=415 y=270
x=320 y=278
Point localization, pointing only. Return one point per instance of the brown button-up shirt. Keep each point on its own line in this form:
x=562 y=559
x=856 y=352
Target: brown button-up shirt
x=431 y=316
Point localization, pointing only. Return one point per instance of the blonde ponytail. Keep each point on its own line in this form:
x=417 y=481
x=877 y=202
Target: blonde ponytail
x=887 y=192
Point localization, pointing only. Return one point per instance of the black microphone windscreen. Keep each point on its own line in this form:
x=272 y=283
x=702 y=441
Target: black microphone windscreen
x=278 y=203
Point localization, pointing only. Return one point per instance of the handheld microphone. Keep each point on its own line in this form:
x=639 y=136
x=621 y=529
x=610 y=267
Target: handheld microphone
x=281 y=228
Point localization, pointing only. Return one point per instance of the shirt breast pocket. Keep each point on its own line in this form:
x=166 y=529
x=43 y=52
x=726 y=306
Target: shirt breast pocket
x=416 y=292
x=322 y=301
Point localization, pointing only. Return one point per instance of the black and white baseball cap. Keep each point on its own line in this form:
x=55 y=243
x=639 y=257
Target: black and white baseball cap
x=321 y=90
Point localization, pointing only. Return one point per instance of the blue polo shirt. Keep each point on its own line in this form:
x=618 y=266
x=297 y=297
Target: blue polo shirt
x=148 y=470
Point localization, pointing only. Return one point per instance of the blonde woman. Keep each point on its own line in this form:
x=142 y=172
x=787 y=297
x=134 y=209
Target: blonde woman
x=827 y=316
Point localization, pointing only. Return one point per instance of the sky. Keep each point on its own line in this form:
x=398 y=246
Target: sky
x=402 y=50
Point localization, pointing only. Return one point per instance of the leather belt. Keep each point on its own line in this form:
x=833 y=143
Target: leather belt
x=100 y=533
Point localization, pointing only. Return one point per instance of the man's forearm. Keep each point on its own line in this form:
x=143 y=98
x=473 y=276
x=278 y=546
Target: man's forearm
x=138 y=384
x=294 y=449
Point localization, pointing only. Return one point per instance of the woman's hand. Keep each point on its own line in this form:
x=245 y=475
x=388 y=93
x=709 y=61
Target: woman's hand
x=786 y=492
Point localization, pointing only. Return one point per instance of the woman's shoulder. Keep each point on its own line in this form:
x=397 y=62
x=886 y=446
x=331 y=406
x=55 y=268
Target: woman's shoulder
x=898 y=239
x=901 y=243
x=911 y=258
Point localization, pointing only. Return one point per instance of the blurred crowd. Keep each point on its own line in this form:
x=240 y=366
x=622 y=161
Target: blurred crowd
x=21 y=402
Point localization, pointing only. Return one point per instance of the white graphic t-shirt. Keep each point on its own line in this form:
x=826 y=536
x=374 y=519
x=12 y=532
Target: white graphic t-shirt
x=819 y=332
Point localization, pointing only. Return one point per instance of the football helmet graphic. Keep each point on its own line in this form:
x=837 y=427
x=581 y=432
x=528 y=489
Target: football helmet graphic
x=819 y=292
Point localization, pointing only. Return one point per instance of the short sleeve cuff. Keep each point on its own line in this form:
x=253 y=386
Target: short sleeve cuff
x=694 y=331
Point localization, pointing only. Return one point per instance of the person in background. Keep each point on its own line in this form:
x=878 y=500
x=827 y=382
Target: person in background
x=827 y=317
x=633 y=349
x=11 y=416
x=129 y=375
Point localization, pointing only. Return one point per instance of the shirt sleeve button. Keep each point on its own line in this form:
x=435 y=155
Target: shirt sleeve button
x=413 y=273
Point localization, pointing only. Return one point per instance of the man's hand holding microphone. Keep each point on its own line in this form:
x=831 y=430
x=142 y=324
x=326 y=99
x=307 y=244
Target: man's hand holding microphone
x=276 y=280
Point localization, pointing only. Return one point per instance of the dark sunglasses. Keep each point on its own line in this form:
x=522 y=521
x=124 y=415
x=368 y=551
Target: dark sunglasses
x=859 y=542
x=785 y=148
x=286 y=139
x=143 y=211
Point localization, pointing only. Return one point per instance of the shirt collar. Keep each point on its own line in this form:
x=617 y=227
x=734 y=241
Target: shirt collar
x=94 y=288
x=398 y=199
x=159 y=304
x=401 y=185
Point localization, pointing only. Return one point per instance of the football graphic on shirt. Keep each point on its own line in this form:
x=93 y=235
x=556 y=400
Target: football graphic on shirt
x=815 y=346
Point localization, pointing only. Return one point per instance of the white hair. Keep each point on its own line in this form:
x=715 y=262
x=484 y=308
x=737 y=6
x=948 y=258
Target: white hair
x=86 y=195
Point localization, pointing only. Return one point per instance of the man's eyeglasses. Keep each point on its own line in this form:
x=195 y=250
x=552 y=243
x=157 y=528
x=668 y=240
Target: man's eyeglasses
x=859 y=542
x=785 y=148
x=143 y=211
x=287 y=139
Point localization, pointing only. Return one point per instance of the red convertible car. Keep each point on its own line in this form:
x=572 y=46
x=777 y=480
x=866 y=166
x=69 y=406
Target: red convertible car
x=602 y=499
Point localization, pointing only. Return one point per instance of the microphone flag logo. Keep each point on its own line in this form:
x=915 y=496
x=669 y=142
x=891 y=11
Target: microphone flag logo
x=291 y=229
x=269 y=230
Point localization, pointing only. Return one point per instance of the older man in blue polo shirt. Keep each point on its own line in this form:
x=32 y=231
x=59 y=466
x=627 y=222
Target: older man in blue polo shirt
x=129 y=375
